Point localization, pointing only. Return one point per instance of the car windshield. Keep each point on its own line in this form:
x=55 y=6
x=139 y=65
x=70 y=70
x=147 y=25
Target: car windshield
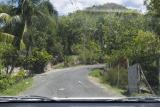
x=80 y=48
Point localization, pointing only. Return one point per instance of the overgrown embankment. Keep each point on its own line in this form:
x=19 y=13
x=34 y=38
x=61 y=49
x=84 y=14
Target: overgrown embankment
x=116 y=79
x=14 y=84
x=109 y=80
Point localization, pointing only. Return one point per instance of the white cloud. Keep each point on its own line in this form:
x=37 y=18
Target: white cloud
x=137 y=2
x=67 y=6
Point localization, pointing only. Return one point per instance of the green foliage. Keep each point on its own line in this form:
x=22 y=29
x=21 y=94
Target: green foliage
x=9 y=58
x=32 y=34
x=17 y=88
x=30 y=23
x=38 y=60
x=8 y=54
x=151 y=72
x=145 y=44
x=7 y=81
x=6 y=38
x=55 y=48
x=88 y=54
x=71 y=60
x=153 y=7
x=1 y=67
x=117 y=77
x=99 y=75
x=96 y=73
x=20 y=76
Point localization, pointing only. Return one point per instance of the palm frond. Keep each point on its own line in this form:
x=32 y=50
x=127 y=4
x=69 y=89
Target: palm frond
x=16 y=19
x=43 y=15
x=6 y=38
x=47 y=5
x=6 y=18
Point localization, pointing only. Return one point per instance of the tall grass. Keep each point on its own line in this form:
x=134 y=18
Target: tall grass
x=117 y=77
x=114 y=77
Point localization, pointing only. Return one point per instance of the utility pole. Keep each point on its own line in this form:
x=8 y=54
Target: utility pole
x=158 y=65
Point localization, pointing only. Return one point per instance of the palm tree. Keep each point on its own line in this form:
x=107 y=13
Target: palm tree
x=17 y=23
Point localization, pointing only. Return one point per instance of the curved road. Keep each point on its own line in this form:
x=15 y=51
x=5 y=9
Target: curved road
x=67 y=83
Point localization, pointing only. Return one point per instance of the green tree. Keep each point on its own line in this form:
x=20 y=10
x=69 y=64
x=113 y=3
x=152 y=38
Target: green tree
x=19 y=22
x=20 y=17
x=153 y=6
x=154 y=12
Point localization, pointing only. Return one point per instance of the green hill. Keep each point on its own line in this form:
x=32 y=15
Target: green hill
x=108 y=6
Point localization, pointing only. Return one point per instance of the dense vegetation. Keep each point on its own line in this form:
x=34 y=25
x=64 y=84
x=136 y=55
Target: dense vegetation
x=32 y=35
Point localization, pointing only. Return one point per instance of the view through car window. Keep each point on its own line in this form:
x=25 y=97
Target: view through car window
x=80 y=48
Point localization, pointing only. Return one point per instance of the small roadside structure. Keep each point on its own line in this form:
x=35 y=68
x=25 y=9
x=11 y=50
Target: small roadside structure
x=133 y=79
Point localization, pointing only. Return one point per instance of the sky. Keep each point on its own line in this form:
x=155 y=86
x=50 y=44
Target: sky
x=67 y=6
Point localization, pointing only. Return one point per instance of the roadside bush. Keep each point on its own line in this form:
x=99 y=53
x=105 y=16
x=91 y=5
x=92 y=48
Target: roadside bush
x=120 y=81
x=19 y=76
x=5 y=82
x=71 y=60
x=38 y=60
x=9 y=58
x=96 y=73
x=151 y=73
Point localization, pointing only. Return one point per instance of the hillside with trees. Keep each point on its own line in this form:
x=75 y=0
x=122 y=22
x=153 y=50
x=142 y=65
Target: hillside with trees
x=107 y=6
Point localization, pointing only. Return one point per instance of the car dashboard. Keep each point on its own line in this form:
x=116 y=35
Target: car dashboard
x=78 y=104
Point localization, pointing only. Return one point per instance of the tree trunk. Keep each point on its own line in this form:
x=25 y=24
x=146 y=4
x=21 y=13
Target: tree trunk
x=12 y=68
x=127 y=63
x=7 y=70
x=29 y=51
x=14 y=59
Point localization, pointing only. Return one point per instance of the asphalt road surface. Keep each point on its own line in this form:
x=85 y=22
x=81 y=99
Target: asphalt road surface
x=67 y=83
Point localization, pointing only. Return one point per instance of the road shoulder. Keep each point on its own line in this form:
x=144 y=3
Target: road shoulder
x=107 y=88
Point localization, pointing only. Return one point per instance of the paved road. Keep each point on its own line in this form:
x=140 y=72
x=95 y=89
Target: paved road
x=70 y=82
